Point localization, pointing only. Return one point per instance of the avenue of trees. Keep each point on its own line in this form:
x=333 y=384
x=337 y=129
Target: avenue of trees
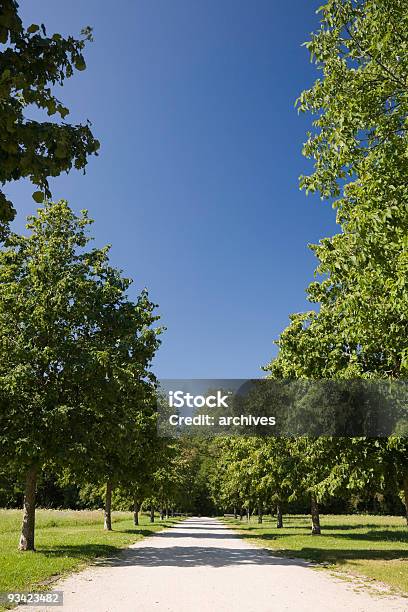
x=77 y=391
x=77 y=395
x=359 y=327
x=266 y=475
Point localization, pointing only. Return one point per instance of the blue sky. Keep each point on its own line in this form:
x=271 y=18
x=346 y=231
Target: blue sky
x=196 y=184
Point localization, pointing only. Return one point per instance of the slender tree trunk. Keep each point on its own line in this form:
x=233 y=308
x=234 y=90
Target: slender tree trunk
x=314 y=510
x=152 y=514
x=240 y=514
x=136 y=511
x=235 y=512
x=107 y=515
x=28 y=525
x=279 y=517
x=405 y=487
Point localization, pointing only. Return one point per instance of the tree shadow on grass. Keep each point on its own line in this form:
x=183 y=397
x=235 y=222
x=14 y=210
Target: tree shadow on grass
x=386 y=535
x=375 y=526
x=375 y=535
x=340 y=556
x=143 y=532
x=79 y=551
x=305 y=527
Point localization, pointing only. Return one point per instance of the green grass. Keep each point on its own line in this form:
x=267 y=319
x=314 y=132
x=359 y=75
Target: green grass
x=372 y=546
x=65 y=541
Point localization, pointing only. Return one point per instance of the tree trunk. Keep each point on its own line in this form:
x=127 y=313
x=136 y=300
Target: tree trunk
x=405 y=487
x=135 y=512
x=107 y=515
x=28 y=525
x=279 y=517
x=152 y=514
x=260 y=515
x=161 y=514
x=240 y=514
x=235 y=512
x=314 y=510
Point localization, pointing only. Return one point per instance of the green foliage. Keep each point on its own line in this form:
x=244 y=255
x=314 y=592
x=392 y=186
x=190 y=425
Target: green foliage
x=361 y=50
x=358 y=145
x=76 y=390
x=31 y=62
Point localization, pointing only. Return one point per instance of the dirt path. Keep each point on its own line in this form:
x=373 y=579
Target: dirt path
x=201 y=566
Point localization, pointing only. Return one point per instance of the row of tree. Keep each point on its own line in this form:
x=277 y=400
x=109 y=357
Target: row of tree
x=265 y=475
x=77 y=395
x=76 y=390
x=359 y=328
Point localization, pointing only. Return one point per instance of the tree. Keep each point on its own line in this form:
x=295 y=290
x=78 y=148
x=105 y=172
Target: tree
x=31 y=62
x=361 y=101
x=278 y=464
x=119 y=442
x=56 y=300
x=359 y=149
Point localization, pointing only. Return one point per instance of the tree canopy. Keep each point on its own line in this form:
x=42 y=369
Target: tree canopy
x=76 y=388
x=31 y=63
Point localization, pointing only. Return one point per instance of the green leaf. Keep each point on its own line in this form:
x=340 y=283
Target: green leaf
x=38 y=197
x=33 y=28
x=80 y=63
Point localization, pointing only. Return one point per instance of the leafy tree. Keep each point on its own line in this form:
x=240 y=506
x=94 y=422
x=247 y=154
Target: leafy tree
x=361 y=99
x=31 y=62
x=118 y=446
x=173 y=483
x=278 y=464
x=56 y=301
x=359 y=148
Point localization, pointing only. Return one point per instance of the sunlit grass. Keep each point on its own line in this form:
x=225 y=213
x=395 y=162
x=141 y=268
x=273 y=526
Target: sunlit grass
x=373 y=546
x=65 y=541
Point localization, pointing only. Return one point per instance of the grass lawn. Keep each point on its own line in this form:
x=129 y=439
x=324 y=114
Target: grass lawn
x=373 y=546
x=65 y=541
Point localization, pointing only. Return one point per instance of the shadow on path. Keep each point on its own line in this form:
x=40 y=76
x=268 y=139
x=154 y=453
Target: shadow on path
x=189 y=556
x=194 y=534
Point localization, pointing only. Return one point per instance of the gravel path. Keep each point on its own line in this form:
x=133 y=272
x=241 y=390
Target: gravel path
x=201 y=566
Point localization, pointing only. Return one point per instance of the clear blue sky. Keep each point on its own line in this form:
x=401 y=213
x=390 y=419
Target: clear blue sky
x=196 y=185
